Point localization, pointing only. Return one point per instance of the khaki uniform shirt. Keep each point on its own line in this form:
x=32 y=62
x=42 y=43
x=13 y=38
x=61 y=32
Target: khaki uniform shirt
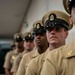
x=35 y=65
x=60 y=61
x=17 y=62
x=25 y=61
x=9 y=59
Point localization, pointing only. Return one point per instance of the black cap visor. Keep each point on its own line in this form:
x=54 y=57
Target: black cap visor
x=18 y=39
x=28 y=38
x=55 y=23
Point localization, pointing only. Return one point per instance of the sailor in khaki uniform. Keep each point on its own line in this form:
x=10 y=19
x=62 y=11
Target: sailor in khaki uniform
x=41 y=45
x=10 y=56
x=56 y=33
x=61 y=61
x=28 y=45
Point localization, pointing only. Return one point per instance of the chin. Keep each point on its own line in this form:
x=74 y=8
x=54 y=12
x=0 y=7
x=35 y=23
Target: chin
x=54 y=42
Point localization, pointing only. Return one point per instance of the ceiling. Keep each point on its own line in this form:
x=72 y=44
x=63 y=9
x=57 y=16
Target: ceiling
x=12 y=15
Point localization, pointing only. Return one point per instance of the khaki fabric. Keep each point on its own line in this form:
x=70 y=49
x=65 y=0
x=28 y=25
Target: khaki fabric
x=60 y=61
x=17 y=62
x=35 y=65
x=57 y=16
x=25 y=61
x=17 y=35
x=9 y=59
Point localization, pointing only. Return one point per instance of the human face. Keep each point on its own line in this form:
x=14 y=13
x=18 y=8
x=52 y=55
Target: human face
x=28 y=45
x=56 y=35
x=72 y=17
x=40 y=39
x=19 y=44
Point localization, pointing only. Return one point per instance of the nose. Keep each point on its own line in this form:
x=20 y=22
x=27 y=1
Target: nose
x=38 y=36
x=53 y=31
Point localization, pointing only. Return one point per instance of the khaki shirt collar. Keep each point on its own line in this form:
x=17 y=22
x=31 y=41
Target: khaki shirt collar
x=69 y=50
x=16 y=51
x=35 y=53
x=45 y=53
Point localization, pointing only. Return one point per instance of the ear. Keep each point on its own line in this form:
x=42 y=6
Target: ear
x=70 y=19
x=66 y=34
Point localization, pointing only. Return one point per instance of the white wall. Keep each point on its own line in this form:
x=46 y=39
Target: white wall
x=39 y=7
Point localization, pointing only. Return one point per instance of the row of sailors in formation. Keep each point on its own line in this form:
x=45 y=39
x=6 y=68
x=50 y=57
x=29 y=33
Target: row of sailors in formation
x=42 y=51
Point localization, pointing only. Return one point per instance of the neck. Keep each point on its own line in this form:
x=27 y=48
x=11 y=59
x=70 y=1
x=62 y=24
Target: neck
x=28 y=50
x=51 y=47
x=20 y=49
x=42 y=49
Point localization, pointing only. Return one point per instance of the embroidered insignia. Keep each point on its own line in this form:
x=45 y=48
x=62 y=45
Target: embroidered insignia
x=69 y=53
x=52 y=17
x=38 y=26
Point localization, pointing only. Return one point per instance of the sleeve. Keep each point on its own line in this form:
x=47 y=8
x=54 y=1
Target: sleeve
x=21 y=69
x=32 y=68
x=16 y=64
x=7 y=63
